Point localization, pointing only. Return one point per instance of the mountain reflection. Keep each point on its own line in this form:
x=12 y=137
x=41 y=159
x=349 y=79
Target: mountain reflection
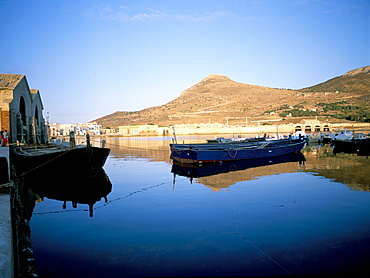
x=77 y=188
x=340 y=165
x=219 y=176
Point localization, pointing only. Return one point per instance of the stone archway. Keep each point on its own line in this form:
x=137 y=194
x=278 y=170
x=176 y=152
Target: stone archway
x=22 y=110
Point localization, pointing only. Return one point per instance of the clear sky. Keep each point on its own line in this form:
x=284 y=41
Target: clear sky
x=90 y=58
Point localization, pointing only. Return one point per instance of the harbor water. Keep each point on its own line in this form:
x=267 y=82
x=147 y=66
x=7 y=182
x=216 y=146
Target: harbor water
x=305 y=214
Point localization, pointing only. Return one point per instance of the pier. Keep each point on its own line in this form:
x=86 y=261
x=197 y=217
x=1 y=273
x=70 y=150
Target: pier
x=6 y=230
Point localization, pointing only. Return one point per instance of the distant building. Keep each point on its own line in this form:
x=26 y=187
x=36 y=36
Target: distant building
x=142 y=130
x=57 y=129
x=128 y=130
x=312 y=125
x=21 y=110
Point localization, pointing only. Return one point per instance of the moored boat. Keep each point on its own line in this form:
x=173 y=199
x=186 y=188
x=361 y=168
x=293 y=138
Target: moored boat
x=361 y=146
x=209 y=153
x=343 y=135
x=37 y=159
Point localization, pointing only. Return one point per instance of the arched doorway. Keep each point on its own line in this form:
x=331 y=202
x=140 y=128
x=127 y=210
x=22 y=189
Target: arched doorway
x=22 y=131
x=22 y=111
x=317 y=128
x=308 y=129
x=298 y=128
x=37 y=116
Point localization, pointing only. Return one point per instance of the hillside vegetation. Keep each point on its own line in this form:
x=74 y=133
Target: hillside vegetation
x=217 y=98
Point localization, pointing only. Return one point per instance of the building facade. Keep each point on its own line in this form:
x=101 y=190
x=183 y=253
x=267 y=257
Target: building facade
x=57 y=129
x=21 y=110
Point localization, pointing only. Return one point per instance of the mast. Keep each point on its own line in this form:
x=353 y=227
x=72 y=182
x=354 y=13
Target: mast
x=174 y=134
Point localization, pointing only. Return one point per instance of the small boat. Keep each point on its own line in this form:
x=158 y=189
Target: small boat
x=38 y=159
x=299 y=135
x=357 y=144
x=326 y=137
x=344 y=135
x=210 y=153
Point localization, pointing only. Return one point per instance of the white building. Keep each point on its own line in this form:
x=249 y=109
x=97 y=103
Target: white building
x=80 y=129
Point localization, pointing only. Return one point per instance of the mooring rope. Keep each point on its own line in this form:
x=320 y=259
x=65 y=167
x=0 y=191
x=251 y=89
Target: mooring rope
x=254 y=245
x=108 y=202
x=232 y=156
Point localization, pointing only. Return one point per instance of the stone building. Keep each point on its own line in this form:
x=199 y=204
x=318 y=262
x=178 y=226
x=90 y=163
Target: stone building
x=313 y=125
x=21 y=110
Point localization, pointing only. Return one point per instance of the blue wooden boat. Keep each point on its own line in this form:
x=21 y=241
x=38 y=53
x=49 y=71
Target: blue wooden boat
x=210 y=153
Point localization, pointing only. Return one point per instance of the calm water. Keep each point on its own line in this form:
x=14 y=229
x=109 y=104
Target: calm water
x=285 y=218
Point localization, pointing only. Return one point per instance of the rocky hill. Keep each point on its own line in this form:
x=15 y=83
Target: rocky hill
x=217 y=98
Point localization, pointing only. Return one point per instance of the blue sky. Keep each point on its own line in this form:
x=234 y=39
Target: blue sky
x=90 y=58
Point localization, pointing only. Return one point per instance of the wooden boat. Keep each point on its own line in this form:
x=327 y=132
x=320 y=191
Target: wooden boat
x=210 y=153
x=59 y=159
x=361 y=146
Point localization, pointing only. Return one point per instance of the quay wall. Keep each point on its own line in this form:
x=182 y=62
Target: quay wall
x=237 y=130
x=16 y=253
x=309 y=126
x=6 y=223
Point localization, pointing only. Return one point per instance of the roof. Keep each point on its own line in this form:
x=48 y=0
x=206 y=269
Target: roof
x=10 y=80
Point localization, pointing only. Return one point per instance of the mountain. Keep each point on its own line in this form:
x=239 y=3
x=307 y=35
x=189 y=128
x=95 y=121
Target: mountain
x=217 y=98
x=354 y=82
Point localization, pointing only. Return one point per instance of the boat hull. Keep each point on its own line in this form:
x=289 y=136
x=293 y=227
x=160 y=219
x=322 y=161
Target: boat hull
x=60 y=161
x=359 y=146
x=226 y=152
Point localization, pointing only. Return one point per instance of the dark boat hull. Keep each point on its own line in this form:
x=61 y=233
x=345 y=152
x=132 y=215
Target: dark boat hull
x=64 y=160
x=359 y=146
x=199 y=153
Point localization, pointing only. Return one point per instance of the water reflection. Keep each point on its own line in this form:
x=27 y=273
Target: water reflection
x=283 y=217
x=342 y=166
x=86 y=187
x=207 y=170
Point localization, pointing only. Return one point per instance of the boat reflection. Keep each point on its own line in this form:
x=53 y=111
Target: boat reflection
x=198 y=171
x=77 y=188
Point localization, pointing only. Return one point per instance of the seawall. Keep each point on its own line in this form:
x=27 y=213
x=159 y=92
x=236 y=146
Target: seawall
x=16 y=254
x=6 y=223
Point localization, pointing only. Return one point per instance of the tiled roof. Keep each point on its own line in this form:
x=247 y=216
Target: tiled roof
x=34 y=93
x=10 y=80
